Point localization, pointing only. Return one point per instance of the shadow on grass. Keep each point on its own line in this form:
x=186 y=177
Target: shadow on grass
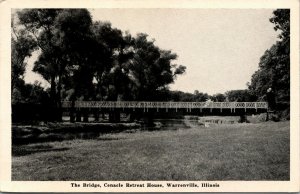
x=27 y=150
x=43 y=138
x=23 y=135
x=108 y=138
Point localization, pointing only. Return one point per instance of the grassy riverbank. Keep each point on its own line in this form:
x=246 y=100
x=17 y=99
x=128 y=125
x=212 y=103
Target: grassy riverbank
x=24 y=134
x=224 y=152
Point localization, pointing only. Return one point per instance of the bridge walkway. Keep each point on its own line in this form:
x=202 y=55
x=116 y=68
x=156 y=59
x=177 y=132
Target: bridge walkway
x=189 y=106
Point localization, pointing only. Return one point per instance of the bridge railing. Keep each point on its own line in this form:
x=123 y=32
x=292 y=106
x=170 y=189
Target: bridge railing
x=170 y=105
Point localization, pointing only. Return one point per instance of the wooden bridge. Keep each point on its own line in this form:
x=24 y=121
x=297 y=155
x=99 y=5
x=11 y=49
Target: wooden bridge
x=146 y=110
x=189 y=106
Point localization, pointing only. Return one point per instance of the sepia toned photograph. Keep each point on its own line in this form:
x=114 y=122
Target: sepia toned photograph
x=150 y=94
x=119 y=96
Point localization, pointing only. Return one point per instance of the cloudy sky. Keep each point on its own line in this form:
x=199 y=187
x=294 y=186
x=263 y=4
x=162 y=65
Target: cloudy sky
x=221 y=48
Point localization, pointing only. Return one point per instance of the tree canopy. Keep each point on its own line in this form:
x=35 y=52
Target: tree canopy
x=84 y=59
x=274 y=65
x=91 y=60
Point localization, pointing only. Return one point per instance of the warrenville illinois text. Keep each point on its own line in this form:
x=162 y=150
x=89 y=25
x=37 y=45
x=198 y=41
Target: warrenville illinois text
x=99 y=185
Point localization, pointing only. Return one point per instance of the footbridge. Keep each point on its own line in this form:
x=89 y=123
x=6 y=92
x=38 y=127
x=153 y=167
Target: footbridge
x=188 y=106
x=160 y=109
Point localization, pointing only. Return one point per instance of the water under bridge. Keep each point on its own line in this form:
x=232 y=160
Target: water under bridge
x=159 y=109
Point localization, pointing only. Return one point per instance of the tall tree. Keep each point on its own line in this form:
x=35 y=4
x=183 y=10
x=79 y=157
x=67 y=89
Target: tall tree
x=65 y=41
x=73 y=38
x=274 y=65
x=22 y=46
x=39 y=23
x=151 y=68
x=85 y=60
x=112 y=74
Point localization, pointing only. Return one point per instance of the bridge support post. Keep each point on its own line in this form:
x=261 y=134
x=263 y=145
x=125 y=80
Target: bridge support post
x=131 y=117
x=111 y=117
x=72 y=112
x=72 y=117
x=148 y=119
x=114 y=116
x=96 y=115
x=85 y=113
x=78 y=116
x=243 y=118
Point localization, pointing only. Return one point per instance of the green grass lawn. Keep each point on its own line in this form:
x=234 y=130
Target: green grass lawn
x=225 y=152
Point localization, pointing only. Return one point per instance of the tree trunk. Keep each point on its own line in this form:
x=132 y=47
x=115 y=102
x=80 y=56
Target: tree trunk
x=78 y=116
x=243 y=119
x=114 y=117
x=59 y=106
x=53 y=99
x=148 y=119
x=72 y=112
x=96 y=115
x=85 y=115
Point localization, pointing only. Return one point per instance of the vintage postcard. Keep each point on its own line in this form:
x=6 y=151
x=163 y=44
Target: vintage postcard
x=149 y=96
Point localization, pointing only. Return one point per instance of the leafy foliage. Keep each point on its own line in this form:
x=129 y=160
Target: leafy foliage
x=219 y=97
x=274 y=66
x=22 y=46
x=151 y=68
x=281 y=20
x=82 y=59
x=29 y=93
x=240 y=96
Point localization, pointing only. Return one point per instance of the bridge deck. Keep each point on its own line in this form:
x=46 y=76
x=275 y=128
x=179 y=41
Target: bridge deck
x=166 y=105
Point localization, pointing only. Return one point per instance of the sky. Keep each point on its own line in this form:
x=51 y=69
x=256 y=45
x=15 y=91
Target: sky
x=220 y=48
